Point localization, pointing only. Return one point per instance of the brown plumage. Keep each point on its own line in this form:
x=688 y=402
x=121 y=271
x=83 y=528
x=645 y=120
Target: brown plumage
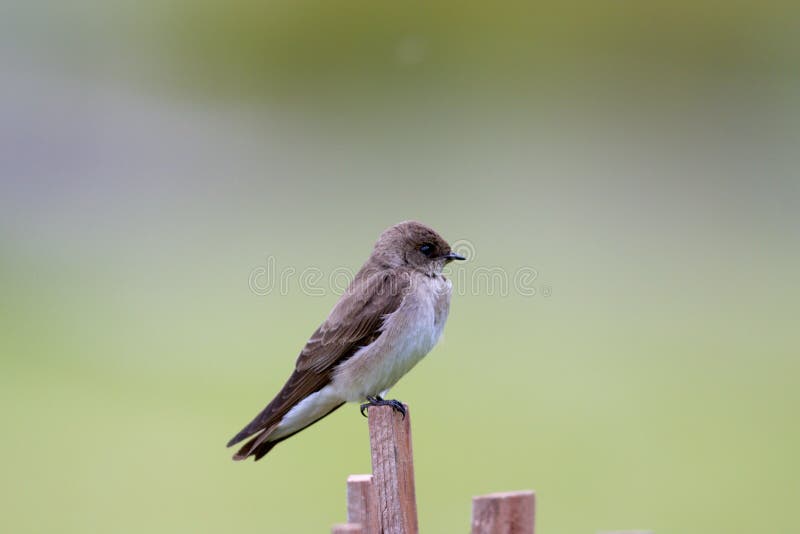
x=402 y=273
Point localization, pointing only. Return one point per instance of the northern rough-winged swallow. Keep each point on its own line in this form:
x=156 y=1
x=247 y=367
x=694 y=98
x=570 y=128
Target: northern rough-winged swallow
x=391 y=315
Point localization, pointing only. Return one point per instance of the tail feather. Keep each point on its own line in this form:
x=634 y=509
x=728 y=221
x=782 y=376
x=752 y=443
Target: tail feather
x=299 y=386
x=256 y=450
x=260 y=445
x=259 y=439
x=261 y=422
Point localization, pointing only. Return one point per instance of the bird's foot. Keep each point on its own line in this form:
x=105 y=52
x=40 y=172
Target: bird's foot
x=396 y=405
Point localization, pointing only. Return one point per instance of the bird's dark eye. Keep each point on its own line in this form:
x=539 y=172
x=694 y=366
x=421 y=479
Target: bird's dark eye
x=427 y=249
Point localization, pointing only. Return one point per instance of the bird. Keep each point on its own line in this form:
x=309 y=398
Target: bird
x=391 y=315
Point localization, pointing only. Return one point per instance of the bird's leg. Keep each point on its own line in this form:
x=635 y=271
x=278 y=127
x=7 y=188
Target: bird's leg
x=377 y=400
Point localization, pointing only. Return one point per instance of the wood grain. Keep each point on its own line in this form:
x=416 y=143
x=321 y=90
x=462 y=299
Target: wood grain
x=362 y=503
x=393 y=470
x=503 y=513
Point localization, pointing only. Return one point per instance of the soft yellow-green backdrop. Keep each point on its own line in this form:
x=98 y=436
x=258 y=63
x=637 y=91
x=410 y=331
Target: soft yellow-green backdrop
x=157 y=158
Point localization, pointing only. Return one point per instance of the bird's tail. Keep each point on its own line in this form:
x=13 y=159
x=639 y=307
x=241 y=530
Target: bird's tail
x=260 y=445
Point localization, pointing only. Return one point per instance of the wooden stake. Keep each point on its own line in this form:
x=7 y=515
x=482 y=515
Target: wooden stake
x=393 y=470
x=362 y=505
x=503 y=513
x=347 y=528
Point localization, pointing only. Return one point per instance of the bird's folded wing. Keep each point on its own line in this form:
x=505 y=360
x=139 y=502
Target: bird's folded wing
x=355 y=322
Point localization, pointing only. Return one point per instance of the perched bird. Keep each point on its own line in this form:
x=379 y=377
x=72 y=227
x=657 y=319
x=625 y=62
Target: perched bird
x=391 y=315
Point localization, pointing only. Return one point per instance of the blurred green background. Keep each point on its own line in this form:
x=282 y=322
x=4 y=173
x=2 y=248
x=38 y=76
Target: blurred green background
x=641 y=157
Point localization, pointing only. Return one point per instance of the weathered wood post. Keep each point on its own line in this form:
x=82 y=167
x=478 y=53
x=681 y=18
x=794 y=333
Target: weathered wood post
x=393 y=470
x=362 y=503
x=385 y=501
x=347 y=528
x=503 y=513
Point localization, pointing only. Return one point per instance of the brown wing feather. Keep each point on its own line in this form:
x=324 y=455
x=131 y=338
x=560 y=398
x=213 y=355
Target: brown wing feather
x=354 y=322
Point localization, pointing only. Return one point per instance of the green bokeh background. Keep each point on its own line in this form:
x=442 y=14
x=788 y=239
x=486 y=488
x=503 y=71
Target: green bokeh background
x=641 y=157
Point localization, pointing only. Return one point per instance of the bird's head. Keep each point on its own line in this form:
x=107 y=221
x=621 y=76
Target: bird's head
x=413 y=244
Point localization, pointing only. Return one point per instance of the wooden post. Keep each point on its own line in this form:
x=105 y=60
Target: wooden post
x=393 y=470
x=503 y=513
x=362 y=506
x=385 y=502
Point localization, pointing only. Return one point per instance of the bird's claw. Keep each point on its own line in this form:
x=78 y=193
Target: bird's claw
x=396 y=405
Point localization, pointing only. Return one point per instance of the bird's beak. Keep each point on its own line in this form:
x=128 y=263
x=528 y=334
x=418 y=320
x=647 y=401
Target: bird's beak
x=453 y=256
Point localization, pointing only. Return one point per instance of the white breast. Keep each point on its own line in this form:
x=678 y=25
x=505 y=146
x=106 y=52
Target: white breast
x=408 y=335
